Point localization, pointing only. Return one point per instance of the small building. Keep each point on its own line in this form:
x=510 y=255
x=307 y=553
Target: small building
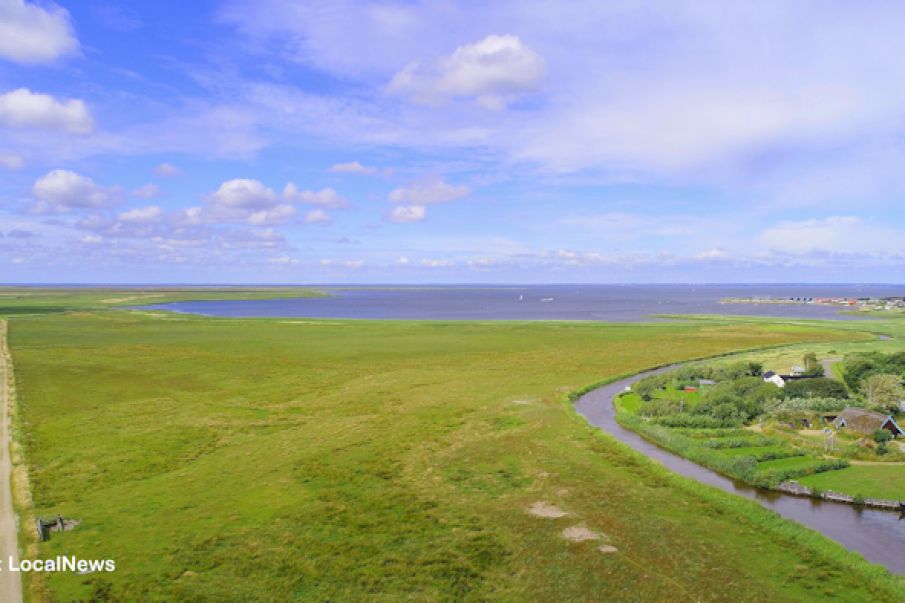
x=771 y=377
x=712 y=382
x=866 y=422
x=797 y=371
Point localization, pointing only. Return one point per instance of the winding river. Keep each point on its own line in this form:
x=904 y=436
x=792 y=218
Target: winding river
x=877 y=535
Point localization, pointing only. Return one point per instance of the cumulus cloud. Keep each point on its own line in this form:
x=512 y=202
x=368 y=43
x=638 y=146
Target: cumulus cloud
x=147 y=191
x=167 y=170
x=61 y=190
x=11 y=161
x=317 y=216
x=352 y=167
x=33 y=34
x=494 y=71
x=428 y=191
x=142 y=215
x=22 y=108
x=326 y=197
x=243 y=193
x=252 y=202
x=279 y=214
x=408 y=213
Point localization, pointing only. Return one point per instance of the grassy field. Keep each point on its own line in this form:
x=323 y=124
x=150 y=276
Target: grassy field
x=18 y=301
x=239 y=460
x=870 y=481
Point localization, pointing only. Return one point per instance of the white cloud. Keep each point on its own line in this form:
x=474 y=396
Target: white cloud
x=352 y=167
x=408 y=213
x=22 y=108
x=243 y=193
x=403 y=260
x=147 y=191
x=327 y=262
x=325 y=197
x=33 y=34
x=251 y=202
x=712 y=254
x=427 y=191
x=142 y=215
x=495 y=71
x=11 y=161
x=61 y=190
x=284 y=261
x=275 y=216
x=167 y=170
x=437 y=263
x=317 y=216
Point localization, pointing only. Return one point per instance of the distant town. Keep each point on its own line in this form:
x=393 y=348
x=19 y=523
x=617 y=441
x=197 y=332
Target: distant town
x=865 y=304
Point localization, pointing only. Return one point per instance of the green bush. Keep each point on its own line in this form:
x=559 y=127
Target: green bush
x=820 y=387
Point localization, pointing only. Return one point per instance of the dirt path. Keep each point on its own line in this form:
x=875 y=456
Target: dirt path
x=10 y=584
x=828 y=367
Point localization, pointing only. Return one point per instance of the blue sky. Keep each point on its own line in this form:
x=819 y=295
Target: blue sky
x=291 y=142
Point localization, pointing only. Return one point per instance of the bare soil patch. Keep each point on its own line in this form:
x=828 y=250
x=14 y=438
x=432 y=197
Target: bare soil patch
x=546 y=510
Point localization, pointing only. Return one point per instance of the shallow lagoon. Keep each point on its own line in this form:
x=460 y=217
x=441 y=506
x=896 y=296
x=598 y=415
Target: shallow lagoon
x=613 y=303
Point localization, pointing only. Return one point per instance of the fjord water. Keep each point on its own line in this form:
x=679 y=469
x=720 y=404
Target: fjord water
x=616 y=303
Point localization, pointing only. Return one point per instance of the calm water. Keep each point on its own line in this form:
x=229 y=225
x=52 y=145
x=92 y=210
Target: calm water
x=877 y=535
x=618 y=303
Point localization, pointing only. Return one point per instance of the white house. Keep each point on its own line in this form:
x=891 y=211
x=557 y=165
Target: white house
x=775 y=379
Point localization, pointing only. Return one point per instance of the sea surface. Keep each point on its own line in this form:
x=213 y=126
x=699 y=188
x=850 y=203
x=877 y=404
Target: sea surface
x=612 y=303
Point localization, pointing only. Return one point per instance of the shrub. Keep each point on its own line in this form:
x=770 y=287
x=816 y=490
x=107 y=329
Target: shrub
x=820 y=387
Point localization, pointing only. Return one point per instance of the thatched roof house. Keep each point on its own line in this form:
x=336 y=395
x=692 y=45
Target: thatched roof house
x=861 y=420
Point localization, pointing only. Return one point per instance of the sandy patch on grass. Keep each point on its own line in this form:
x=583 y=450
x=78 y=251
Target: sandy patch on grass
x=128 y=298
x=524 y=402
x=605 y=548
x=547 y=510
x=307 y=322
x=579 y=534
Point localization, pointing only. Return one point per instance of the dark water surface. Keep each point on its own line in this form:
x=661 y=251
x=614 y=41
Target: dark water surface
x=617 y=303
x=877 y=535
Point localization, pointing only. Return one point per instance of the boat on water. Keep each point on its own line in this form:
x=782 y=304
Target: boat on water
x=546 y=299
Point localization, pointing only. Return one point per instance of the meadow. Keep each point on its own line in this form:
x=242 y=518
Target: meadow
x=868 y=481
x=239 y=460
x=18 y=301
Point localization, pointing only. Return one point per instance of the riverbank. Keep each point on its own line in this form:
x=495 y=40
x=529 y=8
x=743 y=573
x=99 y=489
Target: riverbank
x=875 y=534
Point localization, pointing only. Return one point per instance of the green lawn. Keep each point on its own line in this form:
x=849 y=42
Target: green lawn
x=870 y=481
x=756 y=451
x=631 y=401
x=792 y=462
x=242 y=460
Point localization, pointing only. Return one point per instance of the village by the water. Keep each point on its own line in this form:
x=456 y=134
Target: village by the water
x=866 y=304
x=827 y=428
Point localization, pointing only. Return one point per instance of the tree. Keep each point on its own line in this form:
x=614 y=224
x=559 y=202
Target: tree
x=810 y=362
x=820 y=387
x=883 y=391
